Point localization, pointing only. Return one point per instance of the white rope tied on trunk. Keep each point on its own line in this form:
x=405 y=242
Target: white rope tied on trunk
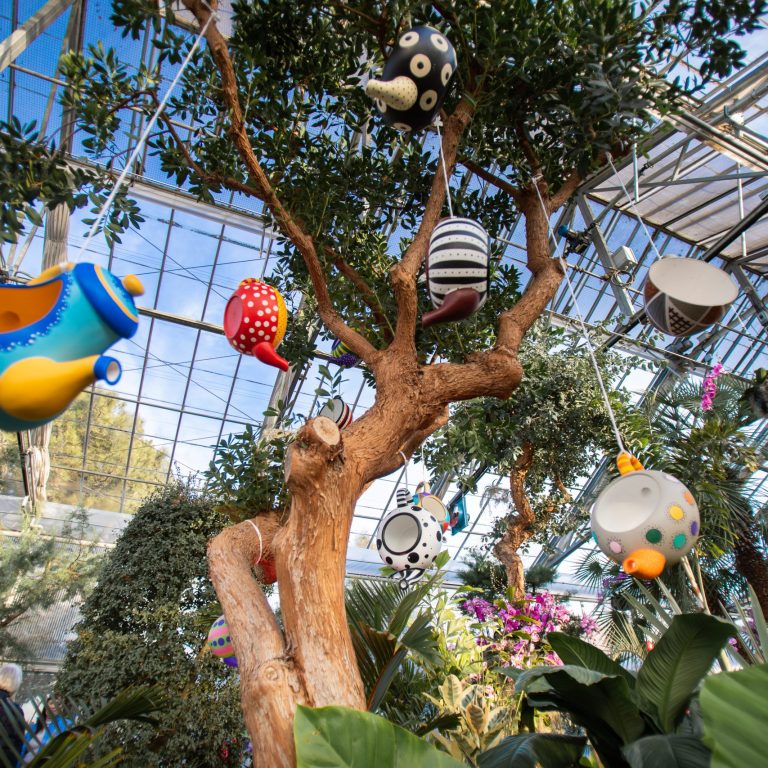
x=583 y=325
x=261 y=542
x=142 y=140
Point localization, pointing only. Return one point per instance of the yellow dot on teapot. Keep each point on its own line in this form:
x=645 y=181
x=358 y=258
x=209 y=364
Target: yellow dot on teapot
x=676 y=513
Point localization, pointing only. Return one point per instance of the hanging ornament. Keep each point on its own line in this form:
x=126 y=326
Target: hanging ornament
x=432 y=504
x=343 y=355
x=684 y=296
x=220 y=642
x=415 y=79
x=255 y=319
x=644 y=519
x=457 y=270
x=268 y=570
x=53 y=333
x=338 y=412
x=409 y=539
x=459 y=516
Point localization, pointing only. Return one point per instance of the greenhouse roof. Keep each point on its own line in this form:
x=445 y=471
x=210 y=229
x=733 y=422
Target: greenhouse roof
x=696 y=179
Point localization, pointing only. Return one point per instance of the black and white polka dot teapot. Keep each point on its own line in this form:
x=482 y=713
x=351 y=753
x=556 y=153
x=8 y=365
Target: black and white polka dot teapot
x=415 y=80
x=409 y=540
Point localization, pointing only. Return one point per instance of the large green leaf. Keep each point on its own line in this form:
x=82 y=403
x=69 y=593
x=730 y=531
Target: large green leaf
x=667 y=751
x=534 y=750
x=574 y=651
x=734 y=706
x=339 y=737
x=674 y=668
x=601 y=704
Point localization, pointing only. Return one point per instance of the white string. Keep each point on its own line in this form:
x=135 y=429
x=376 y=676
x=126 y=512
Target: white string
x=405 y=468
x=438 y=123
x=261 y=543
x=590 y=348
x=632 y=205
x=142 y=141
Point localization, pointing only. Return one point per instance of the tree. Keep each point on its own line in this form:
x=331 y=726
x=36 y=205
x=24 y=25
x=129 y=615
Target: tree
x=712 y=452
x=545 y=89
x=146 y=623
x=544 y=437
x=105 y=425
x=37 y=571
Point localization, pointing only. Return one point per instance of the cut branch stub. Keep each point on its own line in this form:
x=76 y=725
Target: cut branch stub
x=317 y=443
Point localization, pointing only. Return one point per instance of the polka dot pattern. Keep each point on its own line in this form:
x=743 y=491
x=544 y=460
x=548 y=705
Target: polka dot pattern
x=653 y=536
x=645 y=510
x=424 y=57
x=675 y=512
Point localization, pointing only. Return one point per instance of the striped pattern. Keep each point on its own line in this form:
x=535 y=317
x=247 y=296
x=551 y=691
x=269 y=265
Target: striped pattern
x=458 y=258
x=337 y=411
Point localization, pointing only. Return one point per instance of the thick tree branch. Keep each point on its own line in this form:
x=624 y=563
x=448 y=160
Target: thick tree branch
x=231 y=556
x=287 y=224
x=546 y=273
x=519 y=526
x=403 y=274
x=408 y=448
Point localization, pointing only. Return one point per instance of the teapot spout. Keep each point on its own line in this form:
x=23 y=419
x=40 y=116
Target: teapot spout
x=644 y=563
x=38 y=388
x=400 y=93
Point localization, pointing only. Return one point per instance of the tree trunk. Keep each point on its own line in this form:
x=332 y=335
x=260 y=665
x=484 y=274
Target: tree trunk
x=519 y=526
x=751 y=563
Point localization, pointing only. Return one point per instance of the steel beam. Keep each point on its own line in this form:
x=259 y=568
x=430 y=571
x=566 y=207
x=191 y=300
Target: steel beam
x=20 y=39
x=623 y=301
x=746 y=285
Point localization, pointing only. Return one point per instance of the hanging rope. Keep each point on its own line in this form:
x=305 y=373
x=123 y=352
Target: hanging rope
x=142 y=140
x=438 y=123
x=590 y=348
x=405 y=467
x=261 y=543
x=632 y=205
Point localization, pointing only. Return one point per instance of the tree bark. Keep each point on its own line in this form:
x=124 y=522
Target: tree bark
x=752 y=564
x=311 y=660
x=519 y=526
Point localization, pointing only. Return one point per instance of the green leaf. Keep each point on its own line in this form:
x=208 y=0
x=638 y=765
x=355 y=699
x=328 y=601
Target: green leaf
x=574 y=651
x=677 y=664
x=734 y=706
x=601 y=704
x=669 y=751
x=339 y=737
x=534 y=750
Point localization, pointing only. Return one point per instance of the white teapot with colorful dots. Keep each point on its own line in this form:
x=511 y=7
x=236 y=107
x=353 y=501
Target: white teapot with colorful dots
x=645 y=519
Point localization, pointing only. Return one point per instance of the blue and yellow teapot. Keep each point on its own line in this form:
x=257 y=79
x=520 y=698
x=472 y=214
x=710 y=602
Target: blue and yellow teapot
x=53 y=333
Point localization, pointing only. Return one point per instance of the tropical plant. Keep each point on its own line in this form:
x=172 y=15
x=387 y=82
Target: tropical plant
x=734 y=708
x=85 y=727
x=386 y=629
x=714 y=454
x=514 y=633
x=480 y=724
x=638 y=720
x=146 y=623
x=545 y=90
x=345 y=738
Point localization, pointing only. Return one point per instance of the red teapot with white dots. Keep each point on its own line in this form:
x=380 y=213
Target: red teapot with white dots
x=255 y=319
